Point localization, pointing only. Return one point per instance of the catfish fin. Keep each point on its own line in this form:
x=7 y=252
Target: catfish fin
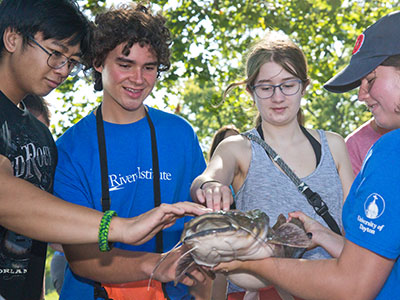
x=296 y=221
x=291 y=235
x=279 y=221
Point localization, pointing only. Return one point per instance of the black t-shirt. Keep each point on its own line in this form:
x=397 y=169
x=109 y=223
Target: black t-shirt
x=30 y=147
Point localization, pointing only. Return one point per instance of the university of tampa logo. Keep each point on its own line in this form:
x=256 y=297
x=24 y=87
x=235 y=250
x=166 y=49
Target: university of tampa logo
x=374 y=206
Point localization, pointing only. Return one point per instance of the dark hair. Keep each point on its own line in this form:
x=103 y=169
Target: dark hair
x=37 y=106
x=392 y=61
x=219 y=136
x=56 y=19
x=129 y=24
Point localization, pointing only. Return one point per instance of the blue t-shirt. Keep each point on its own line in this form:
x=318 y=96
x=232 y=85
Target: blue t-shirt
x=129 y=156
x=372 y=209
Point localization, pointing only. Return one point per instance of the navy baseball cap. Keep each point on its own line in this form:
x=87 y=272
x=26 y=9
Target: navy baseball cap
x=377 y=43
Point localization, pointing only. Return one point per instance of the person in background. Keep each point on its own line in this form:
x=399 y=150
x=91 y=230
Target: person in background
x=38 y=107
x=277 y=79
x=367 y=264
x=57 y=266
x=220 y=135
x=359 y=141
x=42 y=43
x=152 y=156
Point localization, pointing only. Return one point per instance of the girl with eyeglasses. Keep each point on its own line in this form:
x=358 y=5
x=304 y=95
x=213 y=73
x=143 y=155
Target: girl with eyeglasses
x=366 y=264
x=277 y=79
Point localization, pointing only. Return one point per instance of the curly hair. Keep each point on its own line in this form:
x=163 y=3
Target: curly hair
x=130 y=24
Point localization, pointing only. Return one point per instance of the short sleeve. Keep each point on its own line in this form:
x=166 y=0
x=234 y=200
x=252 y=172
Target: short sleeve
x=371 y=211
x=68 y=182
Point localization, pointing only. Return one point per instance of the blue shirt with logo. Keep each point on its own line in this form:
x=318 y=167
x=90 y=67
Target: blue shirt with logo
x=129 y=158
x=372 y=209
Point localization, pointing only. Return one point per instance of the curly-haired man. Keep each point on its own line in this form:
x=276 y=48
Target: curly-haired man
x=152 y=157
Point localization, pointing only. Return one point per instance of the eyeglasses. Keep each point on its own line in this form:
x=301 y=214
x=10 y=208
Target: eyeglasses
x=57 y=60
x=288 y=88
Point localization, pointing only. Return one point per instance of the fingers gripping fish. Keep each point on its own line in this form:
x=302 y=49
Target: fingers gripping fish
x=224 y=236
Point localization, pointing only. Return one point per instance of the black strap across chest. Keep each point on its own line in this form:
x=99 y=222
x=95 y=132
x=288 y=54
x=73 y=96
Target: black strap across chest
x=313 y=198
x=105 y=198
x=313 y=141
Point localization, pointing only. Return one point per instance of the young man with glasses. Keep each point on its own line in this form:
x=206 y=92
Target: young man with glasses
x=57 y=60
x=42 y=42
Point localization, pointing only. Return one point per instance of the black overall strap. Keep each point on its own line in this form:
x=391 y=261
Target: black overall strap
x=156 y=177
x=101 y=139
x=313 y=198
x=105 y=194
x=105 y=198
x=99 y=291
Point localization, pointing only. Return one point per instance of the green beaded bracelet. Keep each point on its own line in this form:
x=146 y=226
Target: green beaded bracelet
x=104 y=245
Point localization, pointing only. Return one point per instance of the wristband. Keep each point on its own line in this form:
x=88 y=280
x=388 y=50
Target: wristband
x=104 y=245
x=208 y=181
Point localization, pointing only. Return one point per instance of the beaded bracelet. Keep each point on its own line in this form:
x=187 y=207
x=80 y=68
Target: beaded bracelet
x=207 y=181
x=104 y=245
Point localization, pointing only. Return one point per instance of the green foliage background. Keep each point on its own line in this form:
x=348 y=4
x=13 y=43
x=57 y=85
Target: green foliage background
x=210 y=40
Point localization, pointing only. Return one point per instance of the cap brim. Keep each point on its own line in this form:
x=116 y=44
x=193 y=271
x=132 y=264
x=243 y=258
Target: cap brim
x=350 y=77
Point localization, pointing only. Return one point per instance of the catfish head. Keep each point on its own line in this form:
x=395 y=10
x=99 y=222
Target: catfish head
x=223 y=236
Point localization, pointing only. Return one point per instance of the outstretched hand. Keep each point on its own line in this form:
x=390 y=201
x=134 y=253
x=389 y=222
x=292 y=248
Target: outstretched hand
x=215 y=196
x=321 y=235
x=144 y=227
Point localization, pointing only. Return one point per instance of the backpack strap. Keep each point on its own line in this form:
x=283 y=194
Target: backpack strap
x=100 y=292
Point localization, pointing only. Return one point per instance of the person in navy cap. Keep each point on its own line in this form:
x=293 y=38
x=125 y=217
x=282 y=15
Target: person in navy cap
x=367 y=264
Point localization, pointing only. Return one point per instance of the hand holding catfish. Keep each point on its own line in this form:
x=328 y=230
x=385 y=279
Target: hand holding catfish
x=223 y=236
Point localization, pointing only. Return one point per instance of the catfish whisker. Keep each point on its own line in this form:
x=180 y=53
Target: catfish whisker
x=187 y=252
x=159 y=263
x=183 y=273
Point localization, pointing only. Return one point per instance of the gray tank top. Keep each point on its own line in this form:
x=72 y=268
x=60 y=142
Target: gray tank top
x=270 y=190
